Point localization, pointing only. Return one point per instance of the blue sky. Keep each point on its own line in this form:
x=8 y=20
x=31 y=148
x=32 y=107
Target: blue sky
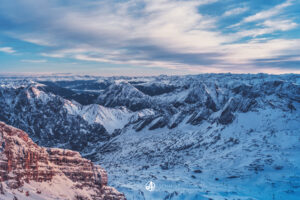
x=149 y=37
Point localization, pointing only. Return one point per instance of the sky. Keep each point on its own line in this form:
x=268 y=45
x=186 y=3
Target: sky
x=149 y=37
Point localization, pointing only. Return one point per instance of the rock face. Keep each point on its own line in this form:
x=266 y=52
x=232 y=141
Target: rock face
x=23 y=163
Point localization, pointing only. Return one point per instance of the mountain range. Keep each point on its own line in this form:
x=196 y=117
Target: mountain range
x=208 y=136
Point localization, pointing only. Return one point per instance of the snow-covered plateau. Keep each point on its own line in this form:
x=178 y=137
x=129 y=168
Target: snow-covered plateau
x=208 y=136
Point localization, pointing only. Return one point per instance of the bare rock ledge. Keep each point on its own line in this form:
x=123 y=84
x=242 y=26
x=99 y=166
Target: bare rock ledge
x=28 y=171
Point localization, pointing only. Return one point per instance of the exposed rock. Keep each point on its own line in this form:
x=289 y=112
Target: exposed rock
x=198 y=117
x=121 y=94
x=160 y=123
x=146 y=121
x=155 y=88
x=24 y=162
x=176 y=119
x=227 y=116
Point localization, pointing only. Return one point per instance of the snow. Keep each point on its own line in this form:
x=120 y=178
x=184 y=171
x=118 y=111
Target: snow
x=59 y=188
x=267 y=138
x=110 y=118
x=256 y=156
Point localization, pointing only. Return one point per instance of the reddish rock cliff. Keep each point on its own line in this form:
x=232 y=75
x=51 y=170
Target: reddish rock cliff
x=24 y=165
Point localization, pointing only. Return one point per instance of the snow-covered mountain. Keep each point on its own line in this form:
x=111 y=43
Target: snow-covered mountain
x=196 y=137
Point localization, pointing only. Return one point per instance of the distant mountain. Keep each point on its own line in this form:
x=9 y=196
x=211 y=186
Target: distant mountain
x=197 y=136
x=28 y=171
x=50 y=119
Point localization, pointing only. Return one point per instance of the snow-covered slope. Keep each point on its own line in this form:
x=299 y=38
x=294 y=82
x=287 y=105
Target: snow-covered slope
x=255 y=157
x=110 y=118
x=196 y=137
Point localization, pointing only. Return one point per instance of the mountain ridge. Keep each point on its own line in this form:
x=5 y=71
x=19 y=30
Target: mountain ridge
x=32 y=172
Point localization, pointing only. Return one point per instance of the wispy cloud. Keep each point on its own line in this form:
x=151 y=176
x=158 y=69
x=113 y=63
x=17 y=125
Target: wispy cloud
x=246 y=53
x=235 y=11
x=282 y=25
x=268 y=13
x=267 y=27
x=7 y=50
x=265 y=22
x=265 y=14
x=34 y=61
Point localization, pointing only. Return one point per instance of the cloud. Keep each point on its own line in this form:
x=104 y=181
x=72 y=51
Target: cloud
x=267 y=27
x=265 y=14
x=248 y=53
x=235 y=11
x=265 y=22
x=161 y=33
x=7 y=50
x=166 y=32
x=268 y=13
x=53 y=55
x=282 y=25
x=34 y=61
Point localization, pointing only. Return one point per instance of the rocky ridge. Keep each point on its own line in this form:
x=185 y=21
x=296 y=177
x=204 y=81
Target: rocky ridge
x=23 y=164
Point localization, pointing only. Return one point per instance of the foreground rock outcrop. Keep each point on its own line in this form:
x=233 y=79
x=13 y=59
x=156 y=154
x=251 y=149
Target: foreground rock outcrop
x=28 y=171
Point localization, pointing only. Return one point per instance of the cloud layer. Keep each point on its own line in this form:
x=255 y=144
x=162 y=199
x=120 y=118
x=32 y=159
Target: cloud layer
x=7 y=50
x=171 y=34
